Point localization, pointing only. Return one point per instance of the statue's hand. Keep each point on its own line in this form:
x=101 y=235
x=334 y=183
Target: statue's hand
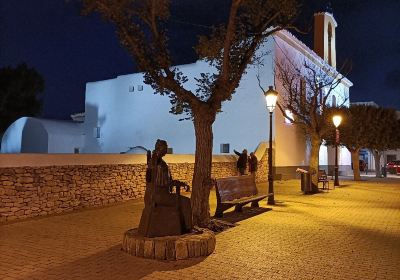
x=178 y=184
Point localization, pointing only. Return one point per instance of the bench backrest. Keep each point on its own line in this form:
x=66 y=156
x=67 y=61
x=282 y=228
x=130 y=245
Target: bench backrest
x=322 y=175
x=231 y=188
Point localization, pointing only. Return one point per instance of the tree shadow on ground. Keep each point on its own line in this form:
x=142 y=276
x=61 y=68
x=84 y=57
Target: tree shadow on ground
x=112 y=263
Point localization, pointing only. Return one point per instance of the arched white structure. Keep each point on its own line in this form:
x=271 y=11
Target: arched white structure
x=34 y=135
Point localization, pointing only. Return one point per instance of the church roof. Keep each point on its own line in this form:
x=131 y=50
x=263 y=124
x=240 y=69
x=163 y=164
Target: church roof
x=59 y=127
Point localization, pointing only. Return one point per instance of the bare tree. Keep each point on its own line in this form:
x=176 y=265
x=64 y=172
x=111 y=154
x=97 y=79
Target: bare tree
x=308 y=87
x=229 y=49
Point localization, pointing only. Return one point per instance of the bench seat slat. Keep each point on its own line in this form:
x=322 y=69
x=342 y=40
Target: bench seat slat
x=244 y=199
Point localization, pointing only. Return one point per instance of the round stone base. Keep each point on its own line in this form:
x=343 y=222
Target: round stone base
x=191 y=245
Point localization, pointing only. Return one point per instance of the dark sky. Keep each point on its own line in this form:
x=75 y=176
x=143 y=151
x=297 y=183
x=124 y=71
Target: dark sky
x=70 y=50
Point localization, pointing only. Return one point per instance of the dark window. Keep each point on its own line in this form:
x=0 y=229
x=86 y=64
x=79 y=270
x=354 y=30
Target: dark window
x=330 y=44
x=96 y=132
x=224 y=148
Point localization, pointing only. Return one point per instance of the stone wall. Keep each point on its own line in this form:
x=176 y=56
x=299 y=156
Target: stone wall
x=36 y=191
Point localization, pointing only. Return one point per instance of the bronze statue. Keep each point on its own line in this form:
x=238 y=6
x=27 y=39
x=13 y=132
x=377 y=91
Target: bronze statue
x=164 y=213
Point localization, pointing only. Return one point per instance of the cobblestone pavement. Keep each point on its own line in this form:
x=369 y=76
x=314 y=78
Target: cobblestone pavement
x=352 y=232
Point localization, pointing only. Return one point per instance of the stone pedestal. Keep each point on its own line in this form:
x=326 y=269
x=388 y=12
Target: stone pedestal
x=191 y=245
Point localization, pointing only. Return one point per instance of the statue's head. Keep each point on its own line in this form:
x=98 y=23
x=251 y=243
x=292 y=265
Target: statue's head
x=161 y=147
x=244 y=151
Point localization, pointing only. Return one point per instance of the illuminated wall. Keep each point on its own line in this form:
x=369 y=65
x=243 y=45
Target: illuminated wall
x=291 y=145
x=123 y=112
x=33 y=135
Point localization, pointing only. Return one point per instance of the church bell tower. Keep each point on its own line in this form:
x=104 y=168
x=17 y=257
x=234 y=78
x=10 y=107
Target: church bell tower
x=324 y=37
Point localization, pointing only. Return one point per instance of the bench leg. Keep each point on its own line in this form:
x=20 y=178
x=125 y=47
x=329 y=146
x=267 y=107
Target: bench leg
x=238 y=208
x=255 y=204
x=219 y=212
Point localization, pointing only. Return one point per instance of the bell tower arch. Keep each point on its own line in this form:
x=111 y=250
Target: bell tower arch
x=324 y=37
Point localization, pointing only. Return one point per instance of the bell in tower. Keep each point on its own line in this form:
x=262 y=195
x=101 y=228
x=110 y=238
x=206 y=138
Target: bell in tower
x=324 y=37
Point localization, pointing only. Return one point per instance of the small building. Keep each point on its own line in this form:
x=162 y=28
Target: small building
x=35 y=135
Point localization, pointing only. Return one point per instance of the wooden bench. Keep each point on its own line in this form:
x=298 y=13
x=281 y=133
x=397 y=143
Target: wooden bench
x=236 y=191
x=323 y=178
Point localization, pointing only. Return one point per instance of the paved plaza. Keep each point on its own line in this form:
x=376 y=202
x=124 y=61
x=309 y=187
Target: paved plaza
x=352 y=232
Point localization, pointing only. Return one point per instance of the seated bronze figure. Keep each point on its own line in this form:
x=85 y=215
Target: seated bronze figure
x=165 y=213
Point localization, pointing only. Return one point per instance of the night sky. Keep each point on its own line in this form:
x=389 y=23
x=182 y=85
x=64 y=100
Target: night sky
x=69 y=50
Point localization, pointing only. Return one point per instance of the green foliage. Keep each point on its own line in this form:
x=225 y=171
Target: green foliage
x=354 y=130
x=383 y=129
x=19 y=91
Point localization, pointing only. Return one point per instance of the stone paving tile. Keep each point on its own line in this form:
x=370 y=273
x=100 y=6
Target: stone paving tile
x=352 y=232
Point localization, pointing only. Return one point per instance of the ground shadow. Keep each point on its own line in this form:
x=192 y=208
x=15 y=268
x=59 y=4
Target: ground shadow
x=280 y=203
x=343 y=186
x=112 y=264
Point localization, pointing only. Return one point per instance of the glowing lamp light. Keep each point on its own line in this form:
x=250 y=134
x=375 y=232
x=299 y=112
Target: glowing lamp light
x=271 y=97
x=288 y=120
x=337 y=120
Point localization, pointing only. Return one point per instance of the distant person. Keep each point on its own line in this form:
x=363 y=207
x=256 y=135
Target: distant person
x=253 y=162
x=242 y=161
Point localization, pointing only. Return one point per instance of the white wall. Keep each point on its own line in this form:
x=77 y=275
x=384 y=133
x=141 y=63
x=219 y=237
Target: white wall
x=291 y=146
x=25 y=135
x=12 y=137
x=33 y=135
x=288 y=151
x=127 y=119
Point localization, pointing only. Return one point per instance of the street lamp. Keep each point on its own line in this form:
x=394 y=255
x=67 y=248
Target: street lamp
x=270 y=96
x=337 y=119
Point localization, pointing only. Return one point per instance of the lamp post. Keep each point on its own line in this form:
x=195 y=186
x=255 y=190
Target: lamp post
x=336 y=121
x=270 y=96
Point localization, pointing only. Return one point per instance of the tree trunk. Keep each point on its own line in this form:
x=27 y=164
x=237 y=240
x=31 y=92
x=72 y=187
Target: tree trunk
x=356 y=164
x=314 y=162
x=377 y=158
x=201 y=183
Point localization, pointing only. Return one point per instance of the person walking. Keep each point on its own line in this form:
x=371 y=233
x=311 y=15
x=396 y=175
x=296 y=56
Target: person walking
x=253 y=162
x=242 y=161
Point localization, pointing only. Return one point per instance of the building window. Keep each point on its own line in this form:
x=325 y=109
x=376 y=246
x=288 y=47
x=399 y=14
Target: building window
x=131 y=88
x=76 y=150
x=290 y=117
x=333 y=101
x=330 y=44
x=224 y=148
x=96 y=132
x=139 y=87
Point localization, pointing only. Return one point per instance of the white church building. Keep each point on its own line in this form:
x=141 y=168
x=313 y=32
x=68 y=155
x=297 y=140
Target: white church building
x=123 y=112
